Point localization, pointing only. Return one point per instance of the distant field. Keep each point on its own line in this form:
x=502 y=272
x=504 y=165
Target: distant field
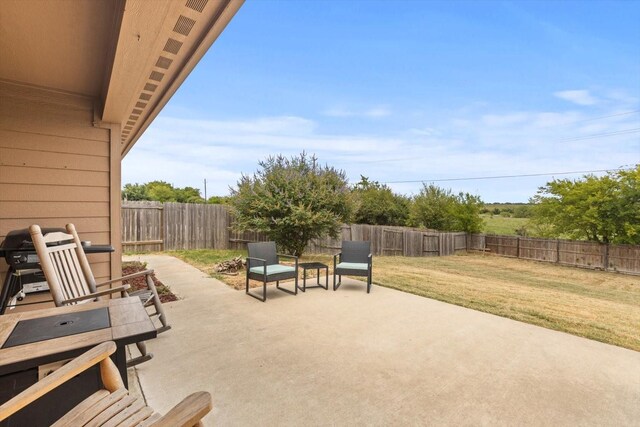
x=593 y=304
x=497 y=224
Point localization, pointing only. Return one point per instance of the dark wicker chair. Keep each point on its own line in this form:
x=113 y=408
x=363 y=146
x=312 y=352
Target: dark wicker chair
x=354 y=260
x=263 y=264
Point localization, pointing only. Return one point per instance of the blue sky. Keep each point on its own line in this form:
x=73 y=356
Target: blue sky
x=408 y=91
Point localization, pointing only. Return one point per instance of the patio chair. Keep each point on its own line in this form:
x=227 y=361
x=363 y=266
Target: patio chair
x=71 y=280
x=263 y=264
x=112 y=405
x=354 y=260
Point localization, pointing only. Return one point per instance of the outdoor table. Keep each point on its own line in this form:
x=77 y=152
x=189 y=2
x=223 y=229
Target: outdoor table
x=33 y=343
x=314 y=266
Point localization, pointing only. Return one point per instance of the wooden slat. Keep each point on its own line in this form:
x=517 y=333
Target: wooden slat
x=52 y=143
x=83 y=224
x=28 y=175
x=75 y=121
x=69 y=419
x=53 y=193
x=100 y=406
x=52 y=160
x=113 y=410
x=58 y=345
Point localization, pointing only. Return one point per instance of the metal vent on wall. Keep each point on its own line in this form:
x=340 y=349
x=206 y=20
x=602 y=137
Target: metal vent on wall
x=172 y=46
x=157 y=76
x=184 y=25
x=197 y=5
x=163 y=62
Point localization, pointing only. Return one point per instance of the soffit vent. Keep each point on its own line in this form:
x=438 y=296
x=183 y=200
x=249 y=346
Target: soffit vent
x=197 y=5
x=163 y=62
x=157 y=76
x=150 y=87
x=172 y=46
x=137 y=111
x=145 y=96
x=141 y=104
x=184 y=25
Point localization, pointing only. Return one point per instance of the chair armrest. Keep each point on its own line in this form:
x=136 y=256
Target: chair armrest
x=129 y=276
x=337 y=257
x=188 y=412
x=263 y=261
x=295 y=258
x=57 y=378
x=121 y=289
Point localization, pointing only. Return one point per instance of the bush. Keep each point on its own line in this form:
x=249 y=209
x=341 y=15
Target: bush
x=439 y=209
x=376 y=204
x=293 y=201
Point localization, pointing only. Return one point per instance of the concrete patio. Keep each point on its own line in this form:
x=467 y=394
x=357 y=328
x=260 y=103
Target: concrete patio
x=387 y=358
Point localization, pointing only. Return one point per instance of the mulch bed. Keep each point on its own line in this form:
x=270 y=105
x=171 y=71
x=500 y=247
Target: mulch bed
x=138 y=283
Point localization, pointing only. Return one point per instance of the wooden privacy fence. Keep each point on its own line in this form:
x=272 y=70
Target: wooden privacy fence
x=593 y=255
x=154 y=226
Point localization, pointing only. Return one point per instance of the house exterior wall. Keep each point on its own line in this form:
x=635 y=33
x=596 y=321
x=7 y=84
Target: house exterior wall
x=56 y=167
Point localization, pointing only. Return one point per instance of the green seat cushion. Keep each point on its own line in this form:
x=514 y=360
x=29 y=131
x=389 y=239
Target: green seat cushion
x=353 y=266
x=272 y=269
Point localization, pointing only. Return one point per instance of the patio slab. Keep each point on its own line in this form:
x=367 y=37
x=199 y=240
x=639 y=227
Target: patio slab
x=386 y=358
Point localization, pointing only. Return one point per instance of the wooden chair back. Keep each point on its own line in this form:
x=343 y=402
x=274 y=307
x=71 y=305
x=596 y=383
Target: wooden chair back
x=64 y=264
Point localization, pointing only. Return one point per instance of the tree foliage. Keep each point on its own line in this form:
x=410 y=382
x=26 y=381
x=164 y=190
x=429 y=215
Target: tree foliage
x=376 y=204
x=292 y=200
x=161 y=191
x=603 y=209
x=440 y=209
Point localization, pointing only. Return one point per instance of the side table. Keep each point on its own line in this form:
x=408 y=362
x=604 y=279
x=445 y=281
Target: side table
x=314 y=266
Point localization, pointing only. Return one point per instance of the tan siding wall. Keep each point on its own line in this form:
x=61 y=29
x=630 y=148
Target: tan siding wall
x=54 y=167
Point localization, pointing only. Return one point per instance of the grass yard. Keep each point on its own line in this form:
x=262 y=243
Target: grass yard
x=592 y=304
x=496 y=224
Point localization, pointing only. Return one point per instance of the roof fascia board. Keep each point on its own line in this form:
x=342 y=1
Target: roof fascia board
x=217 y=23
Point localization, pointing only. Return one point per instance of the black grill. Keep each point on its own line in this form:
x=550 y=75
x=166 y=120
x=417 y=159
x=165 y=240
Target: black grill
x=20 y=254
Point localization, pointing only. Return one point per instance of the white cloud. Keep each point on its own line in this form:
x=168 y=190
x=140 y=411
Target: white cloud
x=475 y=142
x=580 y=97
x=372 y=113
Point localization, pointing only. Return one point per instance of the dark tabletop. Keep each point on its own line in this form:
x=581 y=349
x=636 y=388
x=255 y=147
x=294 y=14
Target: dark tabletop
x=312 y=265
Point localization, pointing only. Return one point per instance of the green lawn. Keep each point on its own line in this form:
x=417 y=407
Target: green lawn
x=496 y=224
x=593 y=304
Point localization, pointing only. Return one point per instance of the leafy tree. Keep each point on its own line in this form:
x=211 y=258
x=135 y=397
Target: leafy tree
x=218 y=200
x=135 y=192
x=466 y=213
x=602 y=209
x=432 y=208
x=188 y=195
x=439 y=209
x=161 y=191
x=292 y=200
x=376 y=204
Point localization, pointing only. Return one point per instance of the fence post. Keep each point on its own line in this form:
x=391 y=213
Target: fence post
x=518 y=247
x=558 y=251
x=605 y=257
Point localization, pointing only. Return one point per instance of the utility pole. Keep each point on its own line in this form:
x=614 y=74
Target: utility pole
x=205 y=189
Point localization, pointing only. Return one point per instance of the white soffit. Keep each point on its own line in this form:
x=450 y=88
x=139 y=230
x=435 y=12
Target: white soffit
x=160 y=43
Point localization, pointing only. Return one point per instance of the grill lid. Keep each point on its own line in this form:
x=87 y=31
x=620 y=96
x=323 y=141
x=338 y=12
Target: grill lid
x=20 y=240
